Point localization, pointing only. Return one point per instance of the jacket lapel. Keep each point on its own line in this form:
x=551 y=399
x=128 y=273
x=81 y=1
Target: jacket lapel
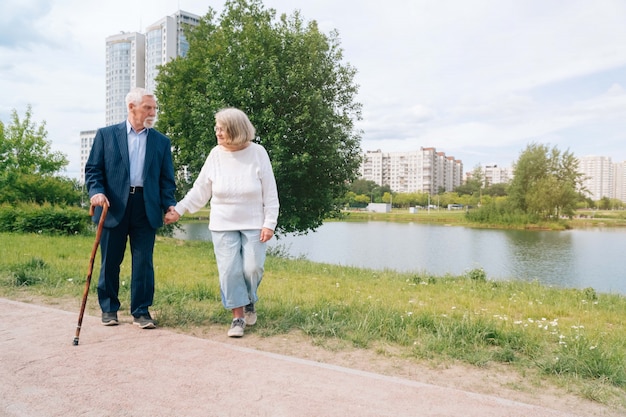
x=149 y=157
x=121 y=138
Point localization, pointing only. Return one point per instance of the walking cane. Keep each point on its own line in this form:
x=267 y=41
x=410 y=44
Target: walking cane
x=105 y=209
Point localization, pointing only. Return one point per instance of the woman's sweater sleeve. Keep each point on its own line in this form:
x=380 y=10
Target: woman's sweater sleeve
x=200 y=193
x=270 y=195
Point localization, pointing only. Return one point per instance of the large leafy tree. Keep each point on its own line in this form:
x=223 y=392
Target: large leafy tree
x=28 y=166
x=546 y=182
x=290 y=80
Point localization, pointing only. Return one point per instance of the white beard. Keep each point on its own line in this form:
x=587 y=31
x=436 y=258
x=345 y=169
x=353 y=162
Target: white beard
x=149 y=122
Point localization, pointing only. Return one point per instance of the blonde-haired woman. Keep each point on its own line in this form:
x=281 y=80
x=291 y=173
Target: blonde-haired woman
x=237 y=178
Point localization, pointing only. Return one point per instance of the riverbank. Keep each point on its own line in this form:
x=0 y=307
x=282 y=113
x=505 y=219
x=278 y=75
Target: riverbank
x=570 y=342
x=582 y=219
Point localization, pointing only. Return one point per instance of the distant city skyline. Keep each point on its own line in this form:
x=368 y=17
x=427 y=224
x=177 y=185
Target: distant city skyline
x=430 y=171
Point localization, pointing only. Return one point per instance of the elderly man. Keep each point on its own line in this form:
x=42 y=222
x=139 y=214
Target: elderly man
x=130 y=170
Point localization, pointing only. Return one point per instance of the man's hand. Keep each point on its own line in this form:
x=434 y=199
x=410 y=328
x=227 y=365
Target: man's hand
x=99 y=200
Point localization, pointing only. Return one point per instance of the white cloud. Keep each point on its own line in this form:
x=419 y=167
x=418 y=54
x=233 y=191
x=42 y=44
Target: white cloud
x=478 y=80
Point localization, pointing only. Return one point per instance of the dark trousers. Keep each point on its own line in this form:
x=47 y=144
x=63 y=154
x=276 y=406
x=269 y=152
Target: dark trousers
x=136 y=227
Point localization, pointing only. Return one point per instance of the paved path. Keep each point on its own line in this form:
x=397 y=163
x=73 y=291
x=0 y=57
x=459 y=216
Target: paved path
x=125 y=371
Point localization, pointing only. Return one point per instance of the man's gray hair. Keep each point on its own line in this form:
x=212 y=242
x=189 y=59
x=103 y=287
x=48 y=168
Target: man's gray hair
x=135 y=96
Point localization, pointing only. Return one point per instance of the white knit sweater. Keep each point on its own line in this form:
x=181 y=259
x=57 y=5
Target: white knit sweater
x=241 y=187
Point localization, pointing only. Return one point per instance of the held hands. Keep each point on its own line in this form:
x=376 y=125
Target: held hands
x=171 y=216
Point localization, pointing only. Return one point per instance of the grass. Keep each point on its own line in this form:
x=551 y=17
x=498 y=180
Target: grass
x=574 y=339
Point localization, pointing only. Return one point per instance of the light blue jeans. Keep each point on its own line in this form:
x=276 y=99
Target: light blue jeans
x=240 y=257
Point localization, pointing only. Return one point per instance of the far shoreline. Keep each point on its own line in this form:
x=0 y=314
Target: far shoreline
x=584 y=219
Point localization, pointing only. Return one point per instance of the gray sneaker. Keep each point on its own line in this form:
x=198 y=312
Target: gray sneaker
x=144 y=321
x=250 y=314
x=110 y=319
x=236 y=327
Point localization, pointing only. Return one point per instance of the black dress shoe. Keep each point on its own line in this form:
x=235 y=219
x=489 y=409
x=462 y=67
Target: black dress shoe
x=110 y=319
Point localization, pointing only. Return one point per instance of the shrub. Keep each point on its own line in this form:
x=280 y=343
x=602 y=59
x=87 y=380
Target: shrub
x=477 y=274
x=46 y=218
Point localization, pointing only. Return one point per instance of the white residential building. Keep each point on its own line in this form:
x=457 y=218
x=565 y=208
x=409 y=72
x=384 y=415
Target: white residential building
x=125 y=69
x=86 y=141
x=598 y=172
x=619 y=181
x=165 y=40
x=425 y=171
x=496 y=175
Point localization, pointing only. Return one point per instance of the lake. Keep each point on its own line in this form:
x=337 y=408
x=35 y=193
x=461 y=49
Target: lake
x=578 y=258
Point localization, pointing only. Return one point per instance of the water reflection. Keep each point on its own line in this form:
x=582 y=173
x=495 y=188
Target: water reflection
x=542 y=256
x=575 y=258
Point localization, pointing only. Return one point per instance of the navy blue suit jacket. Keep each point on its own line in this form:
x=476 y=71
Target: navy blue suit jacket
x=108 y=171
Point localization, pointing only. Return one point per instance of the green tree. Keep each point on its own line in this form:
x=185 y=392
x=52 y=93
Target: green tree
x=362 y=200
x=352 y=199
x=378 y=193
x=546 y=182
x=24 y=148
x=497 y=190
x=606 y=203
x=362 y=186
x=29 y=168
x=289 y=78
x=474 y=183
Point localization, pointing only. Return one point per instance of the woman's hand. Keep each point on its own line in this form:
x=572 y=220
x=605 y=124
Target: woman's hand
x=266 y=234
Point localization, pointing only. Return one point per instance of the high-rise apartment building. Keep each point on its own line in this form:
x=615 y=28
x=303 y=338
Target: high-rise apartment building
x=165 y=40
x=133 y=60
x=424 y=171
x=619 y=181
x=125 y=69
x=598 y=176
x=603 y=178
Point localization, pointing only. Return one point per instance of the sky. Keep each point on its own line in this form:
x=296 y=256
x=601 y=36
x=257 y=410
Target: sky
x=479 y=80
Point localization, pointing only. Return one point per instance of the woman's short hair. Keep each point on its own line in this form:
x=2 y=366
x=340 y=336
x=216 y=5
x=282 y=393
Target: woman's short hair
x=135 y=96
x=238 y=127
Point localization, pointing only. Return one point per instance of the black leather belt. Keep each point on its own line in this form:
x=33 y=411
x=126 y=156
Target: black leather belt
x=134 y=190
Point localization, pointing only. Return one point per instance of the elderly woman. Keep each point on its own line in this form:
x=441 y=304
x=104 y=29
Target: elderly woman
x=238 y=179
